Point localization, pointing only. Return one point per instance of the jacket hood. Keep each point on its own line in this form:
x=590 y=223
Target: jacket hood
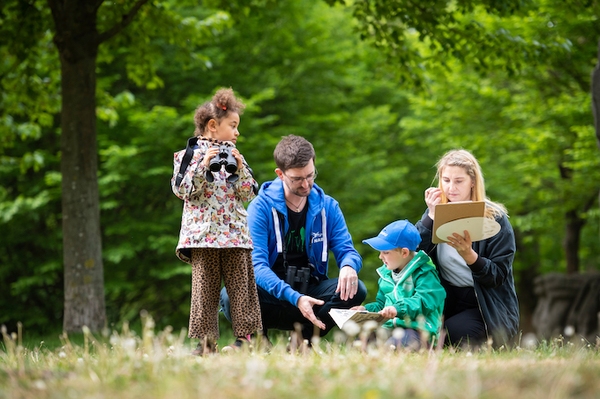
x=420 y=260
x=273 y=190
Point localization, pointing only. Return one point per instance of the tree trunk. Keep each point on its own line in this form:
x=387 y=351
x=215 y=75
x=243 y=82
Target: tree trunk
x=571 y=241
x=529 y=257
x=596 y=96
x=76 y=40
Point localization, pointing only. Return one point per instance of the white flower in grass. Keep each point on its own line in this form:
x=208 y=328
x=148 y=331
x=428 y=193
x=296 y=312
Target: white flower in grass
x=351 y=328
x=569 y=331
x=370 y=326
x=530 y=341
x=398 y=333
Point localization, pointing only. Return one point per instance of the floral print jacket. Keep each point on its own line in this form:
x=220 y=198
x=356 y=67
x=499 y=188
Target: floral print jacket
x=213 y=212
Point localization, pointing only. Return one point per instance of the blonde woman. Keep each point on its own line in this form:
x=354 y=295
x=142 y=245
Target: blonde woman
x=481 y=301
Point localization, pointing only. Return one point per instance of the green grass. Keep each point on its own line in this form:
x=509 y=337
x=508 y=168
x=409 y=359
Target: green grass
x=157 y=364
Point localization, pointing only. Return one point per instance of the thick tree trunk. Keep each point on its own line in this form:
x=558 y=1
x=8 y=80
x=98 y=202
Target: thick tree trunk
x=84 y=271
x=77 y=42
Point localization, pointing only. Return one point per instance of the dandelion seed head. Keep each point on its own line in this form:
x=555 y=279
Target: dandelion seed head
x=569 y=331
x=315 y=341
x=128 y=344
x=370 y=325
x=398 y=333
x=529 y=341
x=351 y=328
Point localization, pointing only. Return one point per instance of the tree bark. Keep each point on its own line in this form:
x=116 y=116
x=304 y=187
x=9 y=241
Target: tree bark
x=529 y=256
x=596 y=96
x=573 y=227
x=77 y=41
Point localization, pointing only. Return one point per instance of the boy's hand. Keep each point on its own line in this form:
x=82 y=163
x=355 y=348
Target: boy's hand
x=359 y=308
x=388 y=312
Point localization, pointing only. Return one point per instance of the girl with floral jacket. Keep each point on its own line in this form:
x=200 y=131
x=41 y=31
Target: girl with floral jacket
x=214 y=236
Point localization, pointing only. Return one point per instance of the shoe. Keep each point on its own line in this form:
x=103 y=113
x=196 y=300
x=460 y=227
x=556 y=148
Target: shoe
x=265 y=343
x=205 y=347
x=238 y=344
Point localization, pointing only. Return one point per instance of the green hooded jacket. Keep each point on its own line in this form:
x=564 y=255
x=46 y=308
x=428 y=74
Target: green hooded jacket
x=418 y=296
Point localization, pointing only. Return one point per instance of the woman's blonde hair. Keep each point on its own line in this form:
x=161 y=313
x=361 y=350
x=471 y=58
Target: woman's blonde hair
x=466 y=160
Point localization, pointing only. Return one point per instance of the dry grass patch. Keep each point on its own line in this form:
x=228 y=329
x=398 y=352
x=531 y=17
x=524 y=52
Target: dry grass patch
x=158 y=365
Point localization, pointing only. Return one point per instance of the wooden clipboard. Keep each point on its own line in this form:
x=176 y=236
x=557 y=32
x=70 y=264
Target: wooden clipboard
x=452 y=211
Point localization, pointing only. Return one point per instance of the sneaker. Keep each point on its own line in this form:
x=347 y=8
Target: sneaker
x=238 y=344
x=205 y=347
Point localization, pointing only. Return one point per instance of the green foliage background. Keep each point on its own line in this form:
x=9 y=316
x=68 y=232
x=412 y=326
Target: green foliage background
x=302 y=68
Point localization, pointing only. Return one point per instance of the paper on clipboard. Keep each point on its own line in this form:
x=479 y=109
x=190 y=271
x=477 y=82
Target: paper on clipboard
x=341 y=316
x=456 y=217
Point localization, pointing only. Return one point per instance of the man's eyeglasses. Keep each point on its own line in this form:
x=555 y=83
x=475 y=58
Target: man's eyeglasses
x=298 y=180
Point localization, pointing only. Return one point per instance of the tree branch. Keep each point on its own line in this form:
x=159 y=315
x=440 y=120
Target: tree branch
x=125 y=21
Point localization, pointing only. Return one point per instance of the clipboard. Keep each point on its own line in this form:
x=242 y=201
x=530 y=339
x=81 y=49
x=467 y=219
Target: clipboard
x=456 y=217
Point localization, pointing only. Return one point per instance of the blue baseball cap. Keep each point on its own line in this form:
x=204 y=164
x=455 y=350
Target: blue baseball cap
x=398 y=234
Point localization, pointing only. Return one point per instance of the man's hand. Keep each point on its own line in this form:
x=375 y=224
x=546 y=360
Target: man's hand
x=305 y=304
x=347 y=283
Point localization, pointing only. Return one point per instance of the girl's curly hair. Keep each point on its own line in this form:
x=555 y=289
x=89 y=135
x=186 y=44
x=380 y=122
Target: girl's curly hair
x=223 y=102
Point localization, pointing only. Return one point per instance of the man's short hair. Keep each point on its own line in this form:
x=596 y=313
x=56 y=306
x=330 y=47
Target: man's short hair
x=293 y=152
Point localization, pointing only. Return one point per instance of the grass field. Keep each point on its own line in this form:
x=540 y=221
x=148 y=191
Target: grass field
x=154 y=364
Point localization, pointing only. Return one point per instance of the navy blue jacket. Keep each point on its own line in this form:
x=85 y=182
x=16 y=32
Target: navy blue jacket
x=492 y=277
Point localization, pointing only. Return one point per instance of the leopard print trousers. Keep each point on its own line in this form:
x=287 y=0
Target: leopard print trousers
x=234 y=267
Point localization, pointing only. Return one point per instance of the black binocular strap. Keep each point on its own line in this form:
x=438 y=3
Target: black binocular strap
x=187 y=158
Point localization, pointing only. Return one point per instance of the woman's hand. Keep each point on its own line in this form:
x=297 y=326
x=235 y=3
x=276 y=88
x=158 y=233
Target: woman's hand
x=433 y=196
x=464 y=246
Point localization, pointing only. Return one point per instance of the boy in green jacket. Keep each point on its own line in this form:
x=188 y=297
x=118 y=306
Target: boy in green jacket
x=410 y=294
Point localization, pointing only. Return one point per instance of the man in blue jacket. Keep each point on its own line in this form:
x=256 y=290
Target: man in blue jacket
x=294 y=225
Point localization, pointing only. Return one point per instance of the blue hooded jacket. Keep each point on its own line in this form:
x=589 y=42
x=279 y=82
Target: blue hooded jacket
x=325 y=231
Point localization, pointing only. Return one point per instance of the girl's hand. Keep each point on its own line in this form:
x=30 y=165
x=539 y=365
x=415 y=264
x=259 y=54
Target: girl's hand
x=433 y=196
x=359 y=308
x=238 y=157
x=210 y=154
